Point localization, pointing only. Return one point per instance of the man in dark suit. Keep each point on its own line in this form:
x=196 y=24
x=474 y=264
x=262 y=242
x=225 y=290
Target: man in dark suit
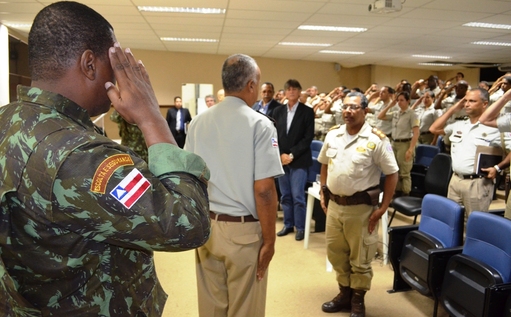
x=177 y=119
x=295 y=129
x=267 y=104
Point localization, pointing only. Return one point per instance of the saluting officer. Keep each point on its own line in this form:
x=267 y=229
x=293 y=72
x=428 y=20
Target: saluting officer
x=354 y=156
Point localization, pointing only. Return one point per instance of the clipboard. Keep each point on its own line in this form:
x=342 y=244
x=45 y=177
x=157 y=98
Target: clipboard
x=487 y=156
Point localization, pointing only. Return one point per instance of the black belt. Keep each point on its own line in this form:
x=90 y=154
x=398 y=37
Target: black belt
x=357 y=198
x=402 y=140
x=470 y=176
x=227 y=218
x=427 y=132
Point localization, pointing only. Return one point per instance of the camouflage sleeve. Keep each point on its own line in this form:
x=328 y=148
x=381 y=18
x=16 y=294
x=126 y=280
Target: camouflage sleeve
x=115 y=117
x=103 y=193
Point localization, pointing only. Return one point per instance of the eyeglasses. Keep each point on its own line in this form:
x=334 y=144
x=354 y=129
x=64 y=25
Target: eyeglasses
x=351 y=107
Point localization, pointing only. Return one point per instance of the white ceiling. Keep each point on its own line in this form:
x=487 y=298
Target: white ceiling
x=428 y=27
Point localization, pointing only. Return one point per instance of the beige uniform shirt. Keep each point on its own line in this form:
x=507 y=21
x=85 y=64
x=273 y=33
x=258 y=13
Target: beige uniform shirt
x=402 y=123
x=465 y=137
x=355 y=163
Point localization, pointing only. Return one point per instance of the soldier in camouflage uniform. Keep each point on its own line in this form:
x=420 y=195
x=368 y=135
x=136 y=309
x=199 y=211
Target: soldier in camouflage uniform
x=130 y=134
x=80 y=215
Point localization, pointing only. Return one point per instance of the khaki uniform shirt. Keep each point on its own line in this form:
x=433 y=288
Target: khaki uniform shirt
x=402 y=123
x=355 y=165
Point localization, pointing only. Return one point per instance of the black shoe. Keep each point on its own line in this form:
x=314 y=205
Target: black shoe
x=341 y=302
x=285 y=231
x=299 y=235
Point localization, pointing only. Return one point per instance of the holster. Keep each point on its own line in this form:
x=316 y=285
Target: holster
x=326 y=195
x=374 y=195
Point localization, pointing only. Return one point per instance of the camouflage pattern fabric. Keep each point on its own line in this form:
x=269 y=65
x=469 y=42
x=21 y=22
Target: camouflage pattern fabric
x=68 y=245
x=130 y=134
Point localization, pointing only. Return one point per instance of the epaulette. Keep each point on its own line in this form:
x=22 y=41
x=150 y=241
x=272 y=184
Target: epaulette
x=379 y=133
x=337 y=126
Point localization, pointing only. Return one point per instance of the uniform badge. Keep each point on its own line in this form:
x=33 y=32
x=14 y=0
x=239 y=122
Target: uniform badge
x=106 y=169
x=360 y=149
x=274 y=142
x=389 y=148
x=371 y=145
x=417 y=122
x=131 y=188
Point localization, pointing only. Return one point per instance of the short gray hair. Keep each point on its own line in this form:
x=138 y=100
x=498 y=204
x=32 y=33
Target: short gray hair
x=237 y=71
x=363 y=98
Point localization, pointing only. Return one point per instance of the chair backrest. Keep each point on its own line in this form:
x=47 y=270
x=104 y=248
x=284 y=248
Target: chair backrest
x=488 y=239
x=438 y=175
x=315 y=168
x=443 y=219
x=424 y=154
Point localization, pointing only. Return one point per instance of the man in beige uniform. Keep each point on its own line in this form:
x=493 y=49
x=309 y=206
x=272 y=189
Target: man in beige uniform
x=474 y=191
x=353 y=158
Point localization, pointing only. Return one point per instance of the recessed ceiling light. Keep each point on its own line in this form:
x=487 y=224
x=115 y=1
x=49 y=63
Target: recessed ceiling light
x=432 y=56
x=184 y=39
x=492 y=43
x=342 y=52
x=331 y=28
x=304 y=44
x=436 y=64
x=488 y=25
x=18 y=25
x=182 y=10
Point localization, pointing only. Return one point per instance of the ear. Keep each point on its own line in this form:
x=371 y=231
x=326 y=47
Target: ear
x=88 y=64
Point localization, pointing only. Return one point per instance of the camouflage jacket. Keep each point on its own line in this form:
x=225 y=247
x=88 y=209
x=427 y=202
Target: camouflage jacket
x=130 y=134
x=80 y=215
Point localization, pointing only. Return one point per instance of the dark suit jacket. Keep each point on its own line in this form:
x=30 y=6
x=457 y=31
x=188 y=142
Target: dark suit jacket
x=171 y=118
x=271 y=107
x=299 y=138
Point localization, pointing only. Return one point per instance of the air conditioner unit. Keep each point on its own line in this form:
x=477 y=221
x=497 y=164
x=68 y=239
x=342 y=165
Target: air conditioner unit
x=385 y=6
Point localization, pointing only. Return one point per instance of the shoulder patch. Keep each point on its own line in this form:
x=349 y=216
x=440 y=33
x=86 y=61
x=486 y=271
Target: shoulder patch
x=379 y=133
x=106 y=169
x=131 y=188
x=337 y=126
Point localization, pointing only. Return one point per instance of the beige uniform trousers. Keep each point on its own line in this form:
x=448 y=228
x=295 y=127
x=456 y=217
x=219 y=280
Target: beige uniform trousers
x=226 y=269
x=474 y=194
x=350 y=247
x=404 y=183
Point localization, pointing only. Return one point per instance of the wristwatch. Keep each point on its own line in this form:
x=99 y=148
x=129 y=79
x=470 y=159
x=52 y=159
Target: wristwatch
x=291 y=156
x=497 y=168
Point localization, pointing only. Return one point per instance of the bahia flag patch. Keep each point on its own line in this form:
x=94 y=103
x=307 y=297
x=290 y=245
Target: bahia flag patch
x=274 y=142
x=131 y=188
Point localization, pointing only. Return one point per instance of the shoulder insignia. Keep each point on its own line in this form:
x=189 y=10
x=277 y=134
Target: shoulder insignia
x=106 y=169
x=337 y=126
x=379 y=133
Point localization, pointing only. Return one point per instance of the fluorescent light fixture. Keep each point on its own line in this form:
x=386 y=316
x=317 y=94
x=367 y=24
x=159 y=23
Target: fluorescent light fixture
x=330 y=28
x=182 y=10
x=488 y=25
x=342 y=52
x=184 y=39
x=436 y=64
x=304 y=44
x=432 y=56
x=492 y=43
x=18 y=25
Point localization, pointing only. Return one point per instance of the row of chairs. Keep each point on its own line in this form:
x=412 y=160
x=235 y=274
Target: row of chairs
x=470 y=279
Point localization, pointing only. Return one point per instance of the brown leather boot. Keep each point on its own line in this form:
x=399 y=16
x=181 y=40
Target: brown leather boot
x=340 y=302
x=358 y=308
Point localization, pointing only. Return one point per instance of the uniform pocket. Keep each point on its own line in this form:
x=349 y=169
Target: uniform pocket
x=359 y=162
x=331 y=152
x=246 y=239
x=371 y=245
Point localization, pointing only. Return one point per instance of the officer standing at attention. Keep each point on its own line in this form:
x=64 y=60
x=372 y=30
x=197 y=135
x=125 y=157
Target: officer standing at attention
x=81 y=215
x=353 y=157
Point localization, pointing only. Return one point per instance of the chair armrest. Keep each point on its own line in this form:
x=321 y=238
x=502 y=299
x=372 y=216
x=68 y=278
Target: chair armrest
x=497 y=300
x=437 y=263
x=396 y=241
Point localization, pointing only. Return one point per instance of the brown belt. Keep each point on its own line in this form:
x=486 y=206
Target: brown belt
x=357 y=198
x=402 y=140
x=227 y=218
